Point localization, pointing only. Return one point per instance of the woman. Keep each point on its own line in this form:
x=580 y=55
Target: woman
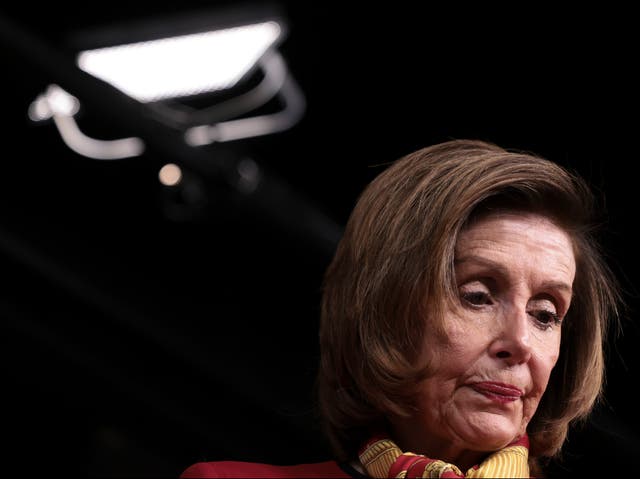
x=463 y=320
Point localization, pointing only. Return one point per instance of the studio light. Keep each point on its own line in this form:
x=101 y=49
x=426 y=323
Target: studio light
x=184 y=65
x=236 y=67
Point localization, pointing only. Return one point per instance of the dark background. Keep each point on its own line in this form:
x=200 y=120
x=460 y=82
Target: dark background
x=145 y=328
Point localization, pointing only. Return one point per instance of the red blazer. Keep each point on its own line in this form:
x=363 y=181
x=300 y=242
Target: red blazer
x=239 y=469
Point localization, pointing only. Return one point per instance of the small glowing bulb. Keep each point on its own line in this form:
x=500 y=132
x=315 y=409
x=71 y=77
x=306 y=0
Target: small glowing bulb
x=170 y=174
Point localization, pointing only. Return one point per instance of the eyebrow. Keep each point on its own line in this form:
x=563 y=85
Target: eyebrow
x=502 y=270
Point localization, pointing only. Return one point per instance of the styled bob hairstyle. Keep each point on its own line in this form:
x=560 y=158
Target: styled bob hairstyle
x=395 y=263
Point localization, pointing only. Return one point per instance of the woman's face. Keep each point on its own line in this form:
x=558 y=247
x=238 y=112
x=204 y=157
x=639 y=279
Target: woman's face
x=514 y=274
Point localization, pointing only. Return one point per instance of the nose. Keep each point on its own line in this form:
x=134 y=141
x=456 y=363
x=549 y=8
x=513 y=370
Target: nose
x=512 y=342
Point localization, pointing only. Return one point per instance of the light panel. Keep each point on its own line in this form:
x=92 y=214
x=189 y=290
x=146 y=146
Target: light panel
x=184 y=65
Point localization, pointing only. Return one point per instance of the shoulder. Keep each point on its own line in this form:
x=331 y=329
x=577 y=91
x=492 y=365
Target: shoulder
x=253 y=469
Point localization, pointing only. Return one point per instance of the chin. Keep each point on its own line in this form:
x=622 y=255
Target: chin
x=494 y=436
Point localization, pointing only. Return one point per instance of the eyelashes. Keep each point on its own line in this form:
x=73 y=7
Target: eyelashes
x=476 y=298
x=545 y=318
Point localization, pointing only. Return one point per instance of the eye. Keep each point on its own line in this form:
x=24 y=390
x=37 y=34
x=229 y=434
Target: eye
x=545 y=318
x=476 y=298
x=544 y=312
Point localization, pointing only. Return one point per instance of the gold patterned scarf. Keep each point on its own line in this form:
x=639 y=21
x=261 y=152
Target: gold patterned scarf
x=382 y=458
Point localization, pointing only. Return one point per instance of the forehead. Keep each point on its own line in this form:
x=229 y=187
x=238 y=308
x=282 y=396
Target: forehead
x=519 y=240
x=520 y=222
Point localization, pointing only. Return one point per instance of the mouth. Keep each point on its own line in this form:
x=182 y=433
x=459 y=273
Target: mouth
x=499 y=392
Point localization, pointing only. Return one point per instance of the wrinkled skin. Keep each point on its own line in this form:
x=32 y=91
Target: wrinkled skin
x=514 y=274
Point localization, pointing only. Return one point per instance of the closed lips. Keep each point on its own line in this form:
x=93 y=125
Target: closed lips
x=508 y=391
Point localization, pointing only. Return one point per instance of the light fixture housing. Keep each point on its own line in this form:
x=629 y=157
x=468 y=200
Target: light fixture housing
x=229 y=59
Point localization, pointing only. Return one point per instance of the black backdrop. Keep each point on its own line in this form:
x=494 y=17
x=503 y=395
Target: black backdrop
x=147 y=328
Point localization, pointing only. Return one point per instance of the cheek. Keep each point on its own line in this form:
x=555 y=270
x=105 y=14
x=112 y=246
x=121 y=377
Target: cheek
x=545 y=355
x=452 y=354
x=467 y=343
x=450 y=360
x=544 y=366
x=541 y=366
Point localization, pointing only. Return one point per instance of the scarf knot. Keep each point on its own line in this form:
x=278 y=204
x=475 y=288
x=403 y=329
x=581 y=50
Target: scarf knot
x=382 y=458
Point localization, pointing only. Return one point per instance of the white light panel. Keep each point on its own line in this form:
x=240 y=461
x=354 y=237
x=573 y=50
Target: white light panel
x=181 y=66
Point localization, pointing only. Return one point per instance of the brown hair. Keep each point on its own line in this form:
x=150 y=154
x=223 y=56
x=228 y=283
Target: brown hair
x=397 y=255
